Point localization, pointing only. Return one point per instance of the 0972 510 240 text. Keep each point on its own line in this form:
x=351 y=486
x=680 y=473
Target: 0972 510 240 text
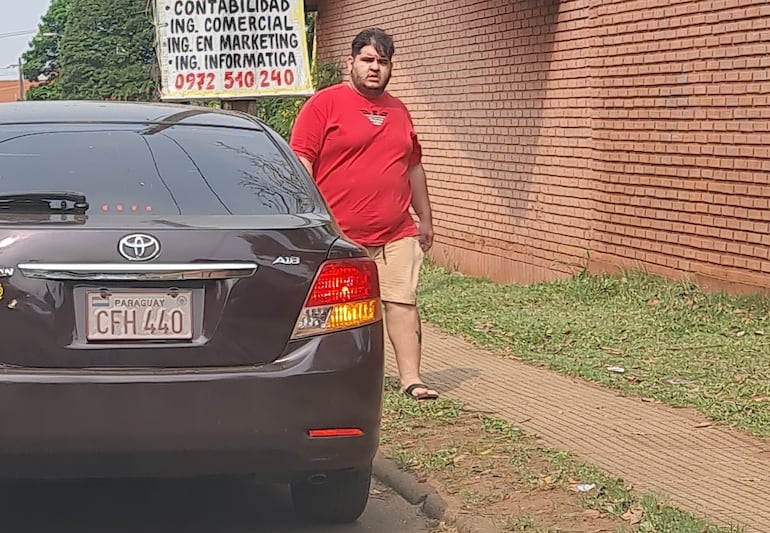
x=239 y=79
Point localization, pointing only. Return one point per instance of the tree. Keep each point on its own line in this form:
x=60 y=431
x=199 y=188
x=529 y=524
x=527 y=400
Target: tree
x=107 y=51
x=41 y=61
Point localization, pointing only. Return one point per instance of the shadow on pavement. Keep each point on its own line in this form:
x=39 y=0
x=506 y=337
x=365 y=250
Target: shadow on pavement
x=449 y=379
x=131 y=506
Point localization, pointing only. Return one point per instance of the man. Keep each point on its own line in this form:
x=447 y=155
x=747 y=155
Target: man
x=359 y=144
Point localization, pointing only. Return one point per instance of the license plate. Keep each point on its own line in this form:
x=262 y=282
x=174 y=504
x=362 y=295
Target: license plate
x=132 y=316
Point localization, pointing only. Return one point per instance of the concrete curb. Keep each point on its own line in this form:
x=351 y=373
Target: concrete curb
x=431 y=503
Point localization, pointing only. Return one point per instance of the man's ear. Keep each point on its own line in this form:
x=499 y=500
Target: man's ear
x=349 y=61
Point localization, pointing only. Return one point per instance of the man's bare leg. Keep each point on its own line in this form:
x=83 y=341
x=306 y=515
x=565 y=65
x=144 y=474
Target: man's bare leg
x=405 y=332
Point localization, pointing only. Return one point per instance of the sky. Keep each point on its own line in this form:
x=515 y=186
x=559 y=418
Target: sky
x=25 y=15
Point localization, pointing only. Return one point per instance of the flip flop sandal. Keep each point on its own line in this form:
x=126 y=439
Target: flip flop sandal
x=424 y=396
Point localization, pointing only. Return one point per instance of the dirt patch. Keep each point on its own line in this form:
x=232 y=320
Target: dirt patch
x=490 y=472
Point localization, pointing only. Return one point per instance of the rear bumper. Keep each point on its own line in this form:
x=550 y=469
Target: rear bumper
x=59 y=424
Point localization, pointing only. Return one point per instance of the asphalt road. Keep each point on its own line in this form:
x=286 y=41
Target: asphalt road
x=181 y=507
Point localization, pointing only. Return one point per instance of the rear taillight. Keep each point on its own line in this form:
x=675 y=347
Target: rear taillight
x=345 y=294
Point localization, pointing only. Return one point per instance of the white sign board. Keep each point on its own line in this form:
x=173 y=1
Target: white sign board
x=222 y=49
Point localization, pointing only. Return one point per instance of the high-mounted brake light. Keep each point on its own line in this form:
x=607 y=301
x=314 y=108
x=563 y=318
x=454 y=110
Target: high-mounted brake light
x=345 y=294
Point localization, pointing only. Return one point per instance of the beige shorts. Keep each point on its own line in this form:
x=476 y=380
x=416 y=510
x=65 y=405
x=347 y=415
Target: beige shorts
x=398 y=265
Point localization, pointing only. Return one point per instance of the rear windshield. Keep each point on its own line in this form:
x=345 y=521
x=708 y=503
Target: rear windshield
x=178 y=170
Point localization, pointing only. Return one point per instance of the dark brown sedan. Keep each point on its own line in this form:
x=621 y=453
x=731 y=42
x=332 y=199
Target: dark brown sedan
x=176 y=300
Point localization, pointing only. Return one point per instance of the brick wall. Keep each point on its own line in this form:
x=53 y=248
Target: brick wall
x=580 y=133
x=9 y=90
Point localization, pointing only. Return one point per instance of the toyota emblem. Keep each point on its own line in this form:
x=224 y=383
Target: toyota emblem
x=139 y=247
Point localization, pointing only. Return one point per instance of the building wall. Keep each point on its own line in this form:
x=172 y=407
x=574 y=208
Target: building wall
x=586 y=133
x=9 y=90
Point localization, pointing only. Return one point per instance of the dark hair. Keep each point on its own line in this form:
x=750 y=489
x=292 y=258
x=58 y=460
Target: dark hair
x=381 y=41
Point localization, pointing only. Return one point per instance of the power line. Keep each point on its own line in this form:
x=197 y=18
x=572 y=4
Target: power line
x=18 y=33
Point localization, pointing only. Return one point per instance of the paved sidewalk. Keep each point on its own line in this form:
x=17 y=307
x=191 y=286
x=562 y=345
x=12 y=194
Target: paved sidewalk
x=711 y=471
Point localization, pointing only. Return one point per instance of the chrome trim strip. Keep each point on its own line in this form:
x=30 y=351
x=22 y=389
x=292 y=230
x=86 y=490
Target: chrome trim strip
x=139 y=272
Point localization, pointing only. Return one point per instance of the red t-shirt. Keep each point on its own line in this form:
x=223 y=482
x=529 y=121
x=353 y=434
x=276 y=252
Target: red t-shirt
x=361 y=150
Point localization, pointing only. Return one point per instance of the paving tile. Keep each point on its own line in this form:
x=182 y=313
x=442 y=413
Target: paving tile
x=713 y=471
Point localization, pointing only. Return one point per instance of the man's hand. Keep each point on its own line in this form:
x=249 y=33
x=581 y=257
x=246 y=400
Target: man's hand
x=421 y=205
x=426 y=235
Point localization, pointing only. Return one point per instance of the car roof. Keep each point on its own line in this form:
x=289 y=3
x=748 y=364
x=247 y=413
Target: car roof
x=100 y=112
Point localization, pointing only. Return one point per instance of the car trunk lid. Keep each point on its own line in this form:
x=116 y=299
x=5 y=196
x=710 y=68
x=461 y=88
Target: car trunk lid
x=220 y=292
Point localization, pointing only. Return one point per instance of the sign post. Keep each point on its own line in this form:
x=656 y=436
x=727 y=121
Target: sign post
x=232 y=49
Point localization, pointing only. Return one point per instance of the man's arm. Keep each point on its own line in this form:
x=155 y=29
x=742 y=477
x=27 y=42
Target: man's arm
x=307 y=134
x=421 y=205
x=307 y=164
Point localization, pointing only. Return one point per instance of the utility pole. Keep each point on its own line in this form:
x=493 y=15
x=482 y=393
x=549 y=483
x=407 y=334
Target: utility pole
x=20 y=66
x=21 y=81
